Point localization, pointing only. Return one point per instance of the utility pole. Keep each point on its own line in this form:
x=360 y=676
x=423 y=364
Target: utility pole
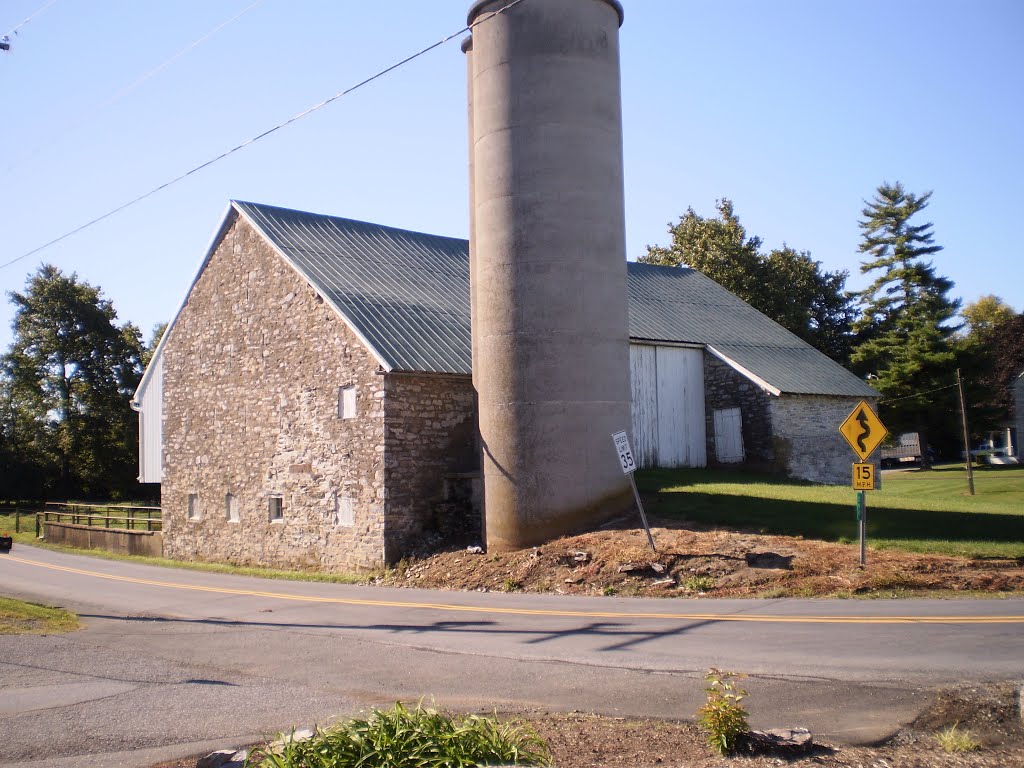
x=967 y=439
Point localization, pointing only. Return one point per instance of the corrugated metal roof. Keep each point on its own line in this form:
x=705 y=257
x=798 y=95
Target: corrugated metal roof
x=407 y=295
x=682 y=304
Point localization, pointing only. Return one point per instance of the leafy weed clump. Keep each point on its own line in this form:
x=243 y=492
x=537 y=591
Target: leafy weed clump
x=409 y=738
x=698 y=584
x=722 y=717
x=953 y=740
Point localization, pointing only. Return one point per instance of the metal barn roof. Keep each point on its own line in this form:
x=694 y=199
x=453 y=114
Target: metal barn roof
x=406 y=294
x=682 y=304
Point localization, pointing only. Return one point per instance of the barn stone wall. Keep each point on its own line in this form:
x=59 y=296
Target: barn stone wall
x=252 y=371
x=807 y=439
x=432 y=461
x=725 y=387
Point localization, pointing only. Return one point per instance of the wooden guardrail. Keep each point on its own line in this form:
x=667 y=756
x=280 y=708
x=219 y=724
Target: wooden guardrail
x=101 y=515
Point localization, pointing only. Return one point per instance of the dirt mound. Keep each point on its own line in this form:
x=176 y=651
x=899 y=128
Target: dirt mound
x=692 y=561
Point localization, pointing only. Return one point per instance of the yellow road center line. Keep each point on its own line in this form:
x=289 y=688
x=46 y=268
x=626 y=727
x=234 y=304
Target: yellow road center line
x=763 y=618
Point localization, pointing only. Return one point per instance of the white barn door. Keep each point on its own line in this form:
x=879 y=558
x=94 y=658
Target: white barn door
x=644 y=383
x=728 y=436
x=668 y=406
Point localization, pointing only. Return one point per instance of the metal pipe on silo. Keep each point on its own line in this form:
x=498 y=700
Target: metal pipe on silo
x=550 y=327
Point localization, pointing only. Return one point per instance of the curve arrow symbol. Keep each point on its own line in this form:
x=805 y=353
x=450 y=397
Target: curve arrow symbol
x=862 y=419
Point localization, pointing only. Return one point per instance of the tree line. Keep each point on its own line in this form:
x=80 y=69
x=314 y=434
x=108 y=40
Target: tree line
x=67 y=429
x=901 y=332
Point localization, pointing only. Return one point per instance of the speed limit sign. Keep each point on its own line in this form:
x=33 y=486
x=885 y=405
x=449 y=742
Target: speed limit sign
x=625 y=453
x=628 y=468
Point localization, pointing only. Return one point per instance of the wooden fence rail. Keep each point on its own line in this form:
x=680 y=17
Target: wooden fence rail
x=141 y=519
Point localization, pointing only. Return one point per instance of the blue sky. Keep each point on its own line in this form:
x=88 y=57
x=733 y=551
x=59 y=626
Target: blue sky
x=795 y=110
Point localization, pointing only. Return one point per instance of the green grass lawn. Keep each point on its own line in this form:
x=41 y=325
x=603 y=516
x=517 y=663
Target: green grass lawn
x=18 y=618
x=919 y=511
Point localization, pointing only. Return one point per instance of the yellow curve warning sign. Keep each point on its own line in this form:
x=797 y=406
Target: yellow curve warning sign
x=863 y=431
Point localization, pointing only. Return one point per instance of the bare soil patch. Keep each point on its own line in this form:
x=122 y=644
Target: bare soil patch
x=697 y=561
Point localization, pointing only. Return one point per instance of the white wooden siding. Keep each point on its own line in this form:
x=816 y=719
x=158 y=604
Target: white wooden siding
x=643 y=378
x=729 y=435
x=668 y=406
x=151 y=424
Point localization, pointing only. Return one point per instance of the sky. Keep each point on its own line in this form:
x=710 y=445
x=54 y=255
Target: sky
x=797 y=111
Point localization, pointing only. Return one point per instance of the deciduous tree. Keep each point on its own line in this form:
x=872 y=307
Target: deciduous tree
x=71 y=371
x=983 y=315
x=787 y=285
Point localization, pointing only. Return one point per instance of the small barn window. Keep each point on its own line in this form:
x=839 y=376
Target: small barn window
x=343 y=514
x=276 y=509
x=231 y=507
x=347 y=402
x=194 y=512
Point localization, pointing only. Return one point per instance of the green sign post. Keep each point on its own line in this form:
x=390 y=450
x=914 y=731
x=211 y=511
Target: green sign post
x=864 y=432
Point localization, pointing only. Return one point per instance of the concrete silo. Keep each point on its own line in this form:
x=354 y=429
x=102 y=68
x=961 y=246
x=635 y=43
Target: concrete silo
x=548 y=265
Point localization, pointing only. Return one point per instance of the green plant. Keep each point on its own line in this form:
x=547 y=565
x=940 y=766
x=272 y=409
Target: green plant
x=511 y=585
x=722 y=717
x=698 y=584
x=953 y=740
x=409 y=738
x=609 y=590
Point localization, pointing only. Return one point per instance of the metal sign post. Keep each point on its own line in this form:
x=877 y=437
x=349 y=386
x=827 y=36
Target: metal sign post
x=862 y=525
x=621 y=441
x=864 y=432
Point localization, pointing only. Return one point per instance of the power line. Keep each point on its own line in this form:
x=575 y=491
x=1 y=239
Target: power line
x=31 y=16
x=916 y=394
x=132 y=86
x=263 y=135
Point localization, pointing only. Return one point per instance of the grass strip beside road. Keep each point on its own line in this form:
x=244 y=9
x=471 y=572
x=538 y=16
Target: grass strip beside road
x=29 y=537
x=18 y=618
x=915 y=511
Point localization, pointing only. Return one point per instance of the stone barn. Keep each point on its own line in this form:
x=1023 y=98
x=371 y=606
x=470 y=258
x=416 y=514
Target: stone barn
x=311 y=404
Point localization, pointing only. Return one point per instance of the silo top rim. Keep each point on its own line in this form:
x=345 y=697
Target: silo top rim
x=479 y=4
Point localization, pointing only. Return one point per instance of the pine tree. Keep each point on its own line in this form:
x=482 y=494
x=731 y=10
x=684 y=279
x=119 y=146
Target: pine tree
x=903 y=329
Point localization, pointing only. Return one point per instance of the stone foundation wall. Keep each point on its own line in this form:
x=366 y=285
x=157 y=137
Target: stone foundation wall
x=252 y=372
x=724 y=387
x=807 y=439
x=119 y=540
x=431 y=451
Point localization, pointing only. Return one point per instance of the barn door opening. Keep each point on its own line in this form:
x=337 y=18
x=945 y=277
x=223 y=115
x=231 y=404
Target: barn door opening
x=728 y=436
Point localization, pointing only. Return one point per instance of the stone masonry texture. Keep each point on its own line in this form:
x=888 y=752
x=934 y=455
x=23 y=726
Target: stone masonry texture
x=253 y=372
x=807 y=439
x=430 y=436
x=724 y=387
x=795 y=435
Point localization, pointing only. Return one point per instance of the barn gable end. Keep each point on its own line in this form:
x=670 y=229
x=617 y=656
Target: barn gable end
x=253 y=368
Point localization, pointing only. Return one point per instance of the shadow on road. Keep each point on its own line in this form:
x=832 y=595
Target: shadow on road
x=624 y=635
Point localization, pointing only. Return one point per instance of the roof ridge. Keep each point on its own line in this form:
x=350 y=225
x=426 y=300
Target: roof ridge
x=348 y=220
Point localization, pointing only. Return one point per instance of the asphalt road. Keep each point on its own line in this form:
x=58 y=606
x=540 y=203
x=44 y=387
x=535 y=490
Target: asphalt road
x=173 y=662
